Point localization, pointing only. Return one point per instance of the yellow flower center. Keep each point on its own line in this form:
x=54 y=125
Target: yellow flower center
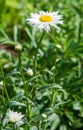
x=45 y=18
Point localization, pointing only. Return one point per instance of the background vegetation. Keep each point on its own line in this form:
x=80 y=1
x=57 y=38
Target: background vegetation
x=57 y=87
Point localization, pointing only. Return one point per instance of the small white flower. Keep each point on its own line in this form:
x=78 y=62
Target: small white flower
x=30 y=72
x=14 y=117
x=43 y=20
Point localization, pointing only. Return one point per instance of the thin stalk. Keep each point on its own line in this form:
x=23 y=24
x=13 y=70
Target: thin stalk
x=23 y=79
x=54 y=72
x=43 y=125
x=53 y=90
x=53 y=98
x=4 y=83
x=38 y=45
x=27 y=111
x=14 y=127
x=21 y=71
x=3 y=100
x=27 y=127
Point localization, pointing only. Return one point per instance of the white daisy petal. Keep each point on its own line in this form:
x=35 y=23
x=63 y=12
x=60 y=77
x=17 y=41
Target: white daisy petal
x=43 y=20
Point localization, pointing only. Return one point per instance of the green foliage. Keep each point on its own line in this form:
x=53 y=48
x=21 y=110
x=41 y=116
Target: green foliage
x=56 y=89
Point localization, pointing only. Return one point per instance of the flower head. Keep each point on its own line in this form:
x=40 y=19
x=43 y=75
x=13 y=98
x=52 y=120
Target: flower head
x=43 y=20
x=14 y=116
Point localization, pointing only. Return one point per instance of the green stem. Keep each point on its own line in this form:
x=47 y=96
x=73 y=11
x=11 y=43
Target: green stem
x=4 y=84
x=43 y=125
x=27 y=111
x=21 y=71
x=54 y=71
x=14 y=127
x=23 y=79
x=3 y=100
x=38 y=45
x=53 y=97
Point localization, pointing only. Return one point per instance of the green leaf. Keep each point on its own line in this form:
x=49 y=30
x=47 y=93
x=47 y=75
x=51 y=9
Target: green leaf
x=69 y=115
x=63 y=127
x=54 y=120
x=33 y=128
x=16 y=103
x=57 y=86
x=76 y=105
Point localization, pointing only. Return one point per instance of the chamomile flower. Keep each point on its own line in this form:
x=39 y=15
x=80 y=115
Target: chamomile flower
x=14 y=117
x=44 y=20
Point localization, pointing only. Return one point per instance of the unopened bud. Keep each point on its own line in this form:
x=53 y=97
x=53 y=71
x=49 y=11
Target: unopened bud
x=18 y=48
x=30 y=72
x=58 y=46
x=1 y=83
x=44 y=115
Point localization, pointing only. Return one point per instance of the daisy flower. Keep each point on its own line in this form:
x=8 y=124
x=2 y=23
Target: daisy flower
x=44 y=20
x=14 y=117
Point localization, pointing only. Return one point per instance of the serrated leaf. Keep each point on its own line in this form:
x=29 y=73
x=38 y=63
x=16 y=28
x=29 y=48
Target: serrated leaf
x=16 y=103
x=57 y=86
x=33 y=128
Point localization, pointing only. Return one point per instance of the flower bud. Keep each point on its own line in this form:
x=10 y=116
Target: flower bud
x=1 y=83
x=44 y=115
x=30 y=72
x=58 y=46
x=18 y=48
